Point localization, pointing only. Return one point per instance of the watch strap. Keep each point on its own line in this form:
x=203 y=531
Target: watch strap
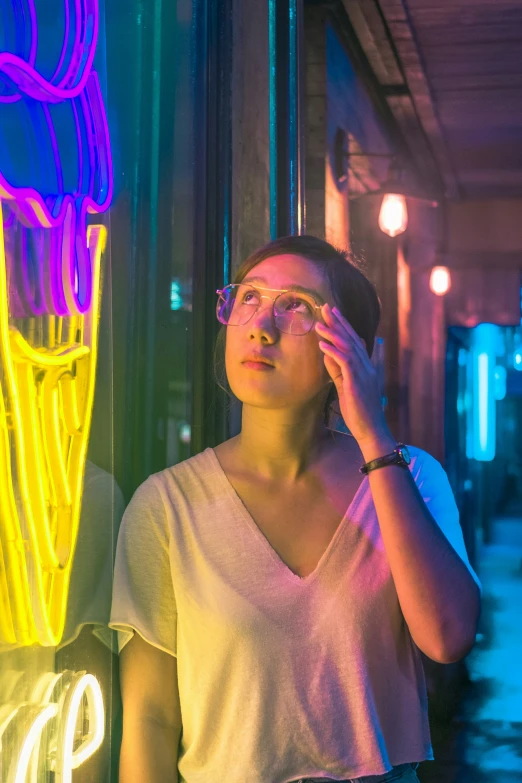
x=393 y=458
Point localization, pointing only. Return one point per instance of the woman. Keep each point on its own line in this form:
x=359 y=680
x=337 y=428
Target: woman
x=279 y=595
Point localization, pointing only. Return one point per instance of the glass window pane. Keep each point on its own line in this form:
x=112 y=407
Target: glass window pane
x=96 y=259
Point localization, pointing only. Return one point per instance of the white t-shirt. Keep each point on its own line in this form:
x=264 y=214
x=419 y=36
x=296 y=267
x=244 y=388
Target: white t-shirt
x=279 y=677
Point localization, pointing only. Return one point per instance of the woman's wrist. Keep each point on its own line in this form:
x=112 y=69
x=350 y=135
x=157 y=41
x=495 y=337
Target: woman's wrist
x=377 y=446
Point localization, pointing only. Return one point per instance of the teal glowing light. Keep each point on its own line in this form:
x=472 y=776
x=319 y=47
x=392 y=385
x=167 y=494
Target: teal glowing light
x=484 y=403
x=483 y=394
x=468 y=405
x=500 y=382
x=517 y=360
x=461 y=395
x=176 y=302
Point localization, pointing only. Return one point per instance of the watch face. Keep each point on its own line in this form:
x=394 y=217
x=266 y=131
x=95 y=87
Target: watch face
x=405 y=454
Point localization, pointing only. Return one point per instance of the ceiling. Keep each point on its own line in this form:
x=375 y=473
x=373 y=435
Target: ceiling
x=452 y=74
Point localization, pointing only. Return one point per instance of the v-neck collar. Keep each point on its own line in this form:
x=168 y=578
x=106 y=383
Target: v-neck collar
x=266 y=543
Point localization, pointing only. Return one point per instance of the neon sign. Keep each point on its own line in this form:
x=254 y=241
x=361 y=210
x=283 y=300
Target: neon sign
x=49 y=309
x=64 y=281
x=60 y=707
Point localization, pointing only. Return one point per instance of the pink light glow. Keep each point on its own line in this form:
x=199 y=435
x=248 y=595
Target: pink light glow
x=66 y=278
x=22 y=71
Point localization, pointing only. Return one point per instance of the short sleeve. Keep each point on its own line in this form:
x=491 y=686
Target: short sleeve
x=143 y=595
x=435 y=488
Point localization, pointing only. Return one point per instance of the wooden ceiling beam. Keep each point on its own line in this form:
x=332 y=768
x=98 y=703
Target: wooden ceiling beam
x=399 y=25
x=370 y=27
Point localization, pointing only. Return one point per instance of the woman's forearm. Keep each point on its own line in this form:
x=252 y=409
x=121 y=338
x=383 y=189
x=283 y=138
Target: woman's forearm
x=438 y=596
x=149 y=752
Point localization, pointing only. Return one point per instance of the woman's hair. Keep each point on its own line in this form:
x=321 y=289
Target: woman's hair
x=353 y=293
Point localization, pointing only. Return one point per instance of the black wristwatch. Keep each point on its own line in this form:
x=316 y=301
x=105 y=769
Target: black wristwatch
x=400 y=456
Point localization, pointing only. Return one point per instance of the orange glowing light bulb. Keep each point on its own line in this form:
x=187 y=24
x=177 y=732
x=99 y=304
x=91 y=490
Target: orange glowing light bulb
x=440 y=280
x=393 y=217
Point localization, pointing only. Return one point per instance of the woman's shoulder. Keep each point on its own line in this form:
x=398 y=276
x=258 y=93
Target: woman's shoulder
x=184 y=477
x=194 y=467
x=168 y=493
x=422 y=460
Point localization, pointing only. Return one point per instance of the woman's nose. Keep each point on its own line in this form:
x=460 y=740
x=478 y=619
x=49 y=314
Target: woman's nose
x=264 y=311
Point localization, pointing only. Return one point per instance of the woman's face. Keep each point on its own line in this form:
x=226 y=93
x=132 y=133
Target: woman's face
x=299 y=374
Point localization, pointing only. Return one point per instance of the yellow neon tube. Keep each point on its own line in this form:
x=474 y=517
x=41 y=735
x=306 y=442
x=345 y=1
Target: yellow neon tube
x=69 y=403
x=50 y=393
x=41 y=628
x=30 y=459
x=86 y=376
x=22 y=351
x=57 y=470
x=7 y=630
x=19 y=628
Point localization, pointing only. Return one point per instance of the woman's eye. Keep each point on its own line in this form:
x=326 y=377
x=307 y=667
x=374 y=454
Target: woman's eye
x=298 y=303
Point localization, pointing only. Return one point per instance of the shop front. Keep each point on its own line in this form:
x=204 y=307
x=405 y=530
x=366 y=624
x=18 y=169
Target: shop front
x=103 y=132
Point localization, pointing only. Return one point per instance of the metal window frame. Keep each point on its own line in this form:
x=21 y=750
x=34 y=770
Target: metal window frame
x=286 y=91
x=212 y=225
x=148 y=276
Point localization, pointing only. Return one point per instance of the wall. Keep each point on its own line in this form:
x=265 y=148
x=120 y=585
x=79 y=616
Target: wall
x=315 y=119
x=250 y=130
x=338 y=99
x=425 y=383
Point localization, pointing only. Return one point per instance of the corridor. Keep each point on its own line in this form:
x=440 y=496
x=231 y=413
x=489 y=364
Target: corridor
x=483 y=742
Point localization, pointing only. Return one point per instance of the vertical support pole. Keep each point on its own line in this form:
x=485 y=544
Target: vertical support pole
x=286 y=73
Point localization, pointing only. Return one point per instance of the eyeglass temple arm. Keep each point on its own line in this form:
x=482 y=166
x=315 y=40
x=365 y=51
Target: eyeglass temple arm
x=282 y=290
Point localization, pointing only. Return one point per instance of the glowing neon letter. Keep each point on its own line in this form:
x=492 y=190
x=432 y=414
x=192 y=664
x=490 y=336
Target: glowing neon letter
x=24 y=762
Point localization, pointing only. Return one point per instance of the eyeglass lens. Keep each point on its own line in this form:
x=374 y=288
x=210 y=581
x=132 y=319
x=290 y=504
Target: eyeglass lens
x=293 y=312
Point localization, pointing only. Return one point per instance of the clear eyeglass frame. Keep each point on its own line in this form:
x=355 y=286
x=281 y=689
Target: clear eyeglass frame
x=219 y=291
x=282 y=291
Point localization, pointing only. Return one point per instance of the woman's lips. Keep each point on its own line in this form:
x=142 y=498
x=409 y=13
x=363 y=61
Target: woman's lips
x=257 y=366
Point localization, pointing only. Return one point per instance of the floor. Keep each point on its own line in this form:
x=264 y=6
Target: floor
x=481 y=740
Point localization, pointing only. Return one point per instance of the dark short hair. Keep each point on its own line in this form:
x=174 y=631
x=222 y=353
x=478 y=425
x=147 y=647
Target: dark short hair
x=353 y=293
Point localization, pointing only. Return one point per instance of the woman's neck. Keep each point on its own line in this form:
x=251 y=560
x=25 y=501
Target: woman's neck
x=278 y=462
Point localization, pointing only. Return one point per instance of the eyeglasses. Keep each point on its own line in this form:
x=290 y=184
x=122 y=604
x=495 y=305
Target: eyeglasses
x=293 y=312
